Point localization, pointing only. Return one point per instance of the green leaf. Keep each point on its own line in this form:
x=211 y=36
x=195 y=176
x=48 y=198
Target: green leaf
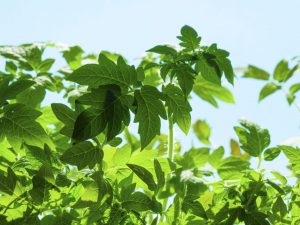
x=253 y=138
x=279 y=177
x=202 y=131
x=218 y=59
x=215 y=158
x=11 y=67
x=122 y=155
x=232 y=168
x=149 y=110
x=276 y=187
x=295 y=88
x=208 y=70
x=292 y=153
x=163 y=49
x=189 y=38
x=279 y=207
x=195 y=157
x=32 y=96
x=10 y=91
x=178 y=106
x=271 y=153
x=138 y=201
x=185 y=77
x=83 y=154
x=73 y=56
x=18 y=125
x=104 y=73
x=256 y=73
x=107 y=111
x=191 y=204
x=268 y=89
x=160 y=175
x=281 y=70
x=210 y=92
x=256 y=218
x=116 y=215
x=64 y=113
x=36 y=156
x=144 y=175
x=10 y=184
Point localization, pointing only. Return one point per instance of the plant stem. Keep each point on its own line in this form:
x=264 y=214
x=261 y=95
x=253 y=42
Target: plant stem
x=259 y=161
x=171 y=141
x=170 y=155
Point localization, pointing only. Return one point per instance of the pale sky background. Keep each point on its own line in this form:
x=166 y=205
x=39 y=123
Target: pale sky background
x=254 y=32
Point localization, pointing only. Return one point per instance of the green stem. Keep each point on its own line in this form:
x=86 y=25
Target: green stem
x=259 y=161
x=171 y=141
x=128 y=137
x=170 y=155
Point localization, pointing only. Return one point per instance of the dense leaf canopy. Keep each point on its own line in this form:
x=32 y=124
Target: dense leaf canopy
x=80 y=160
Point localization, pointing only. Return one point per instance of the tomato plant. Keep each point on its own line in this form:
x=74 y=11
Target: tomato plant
x=83 y=162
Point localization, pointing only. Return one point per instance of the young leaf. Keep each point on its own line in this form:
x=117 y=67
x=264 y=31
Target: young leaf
x=202 y=131
x=256 y=73
x=271 y=153
x=144 y=175
x=253 y=138
x=73 y=56
x=149 y=110
x=209 y=92
x=178 y=106
x=82 y=155
x=267 y=90
x=189 y=38
x=295 y=88
x=281 y=70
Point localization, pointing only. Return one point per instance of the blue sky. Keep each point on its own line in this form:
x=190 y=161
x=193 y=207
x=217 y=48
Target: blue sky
x=254 y=32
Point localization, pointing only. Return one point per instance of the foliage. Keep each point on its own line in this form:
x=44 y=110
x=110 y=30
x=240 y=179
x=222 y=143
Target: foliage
x=80 y=161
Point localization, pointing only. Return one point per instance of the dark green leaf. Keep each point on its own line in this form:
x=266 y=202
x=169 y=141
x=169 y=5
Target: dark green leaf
x=20 y=125
x=178 y=106
x=144 y=175
x=253 y=138
x=149 y=110
x=82 y=155
x=160 y=175
x=194 y=206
